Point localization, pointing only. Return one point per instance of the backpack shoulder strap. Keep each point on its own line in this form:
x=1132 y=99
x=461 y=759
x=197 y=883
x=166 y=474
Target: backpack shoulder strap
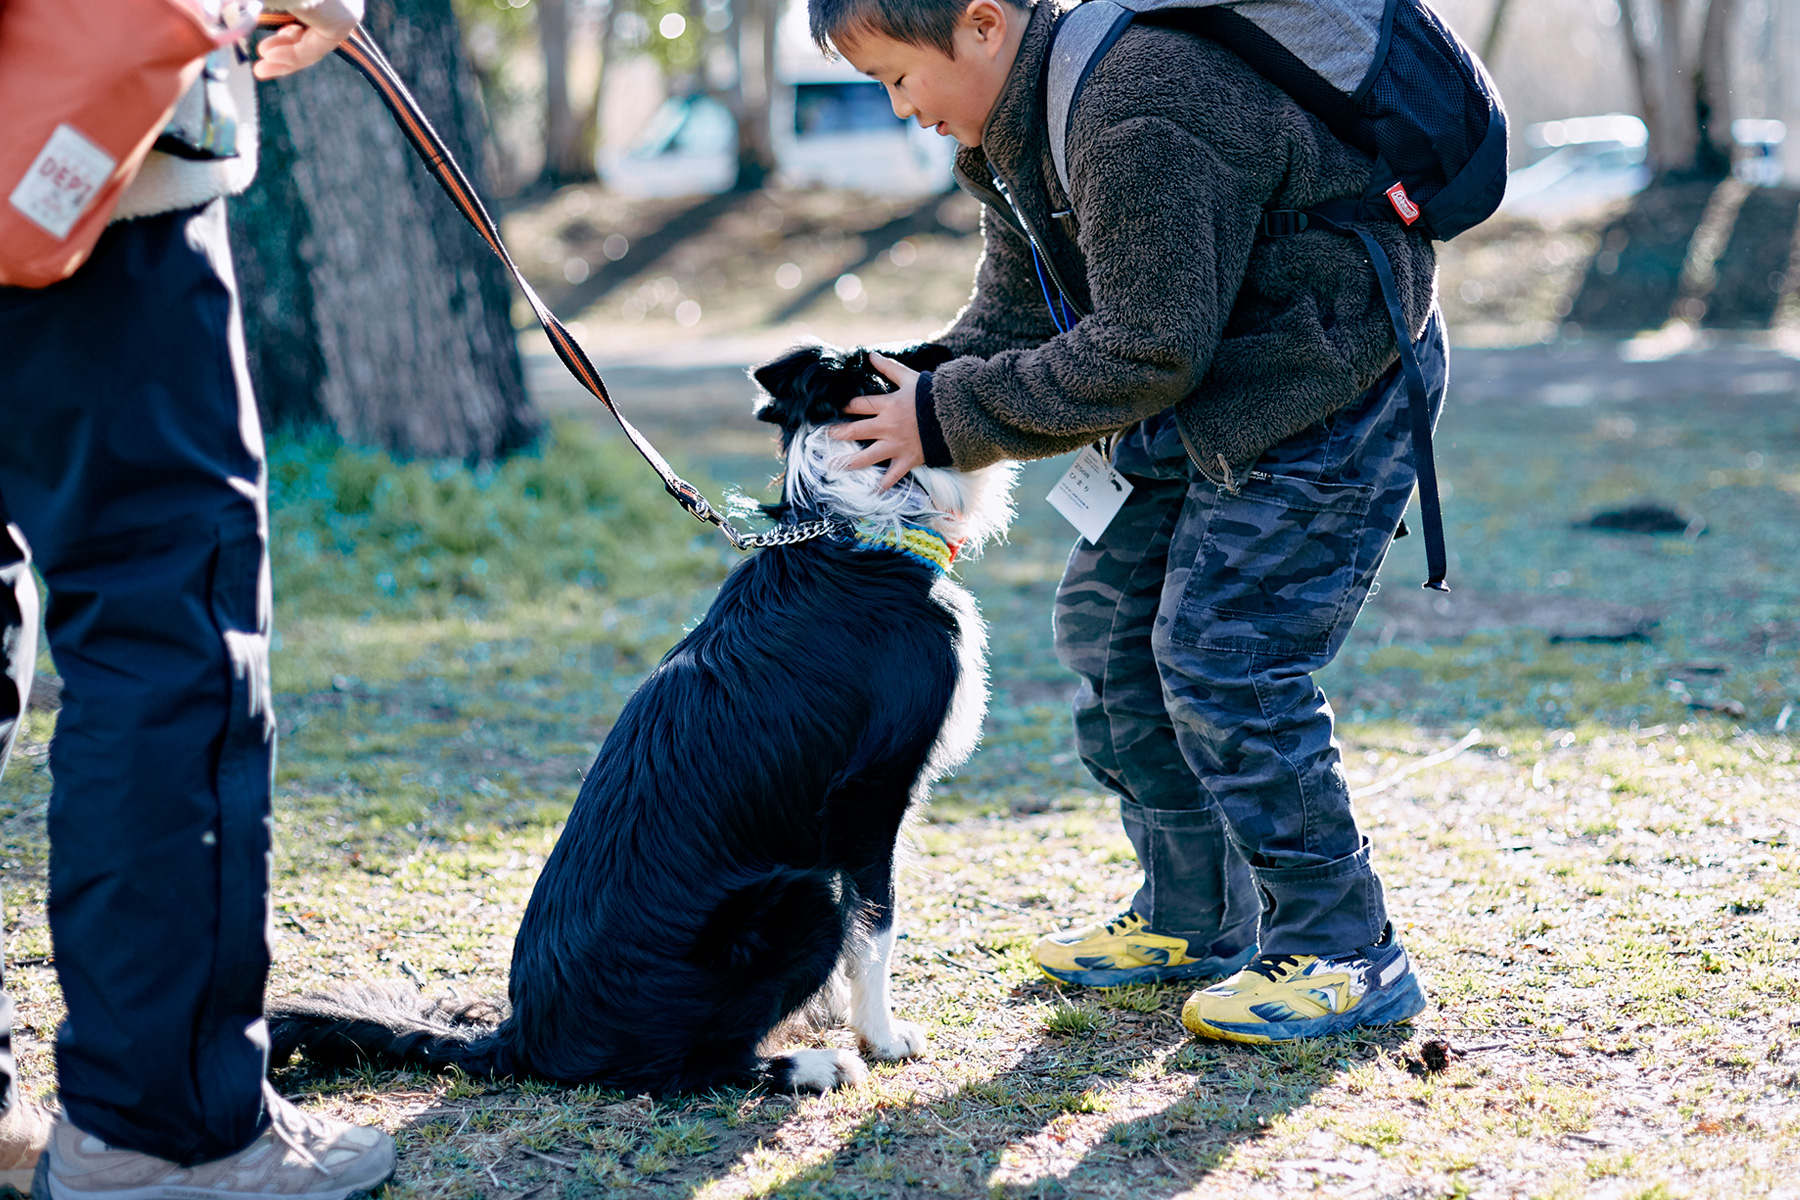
x=1085 y=33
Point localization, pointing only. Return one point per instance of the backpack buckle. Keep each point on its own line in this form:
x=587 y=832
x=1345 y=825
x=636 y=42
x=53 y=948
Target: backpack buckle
x=1282 y=222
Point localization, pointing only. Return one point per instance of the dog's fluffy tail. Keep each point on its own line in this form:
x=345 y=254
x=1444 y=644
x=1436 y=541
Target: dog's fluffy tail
x=391 y=1025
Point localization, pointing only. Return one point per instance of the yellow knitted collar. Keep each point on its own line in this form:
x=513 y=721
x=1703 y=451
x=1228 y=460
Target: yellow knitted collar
x=915 y=541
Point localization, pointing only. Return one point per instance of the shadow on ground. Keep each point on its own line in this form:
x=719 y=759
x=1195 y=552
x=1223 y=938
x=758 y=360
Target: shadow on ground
x=1177 y=1110
x=1636 y=280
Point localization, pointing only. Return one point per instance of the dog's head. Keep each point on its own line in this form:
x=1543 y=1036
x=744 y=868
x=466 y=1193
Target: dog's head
x=805 y=391
x=810 y=385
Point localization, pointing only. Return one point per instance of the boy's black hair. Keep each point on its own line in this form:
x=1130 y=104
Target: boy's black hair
x=917 y=22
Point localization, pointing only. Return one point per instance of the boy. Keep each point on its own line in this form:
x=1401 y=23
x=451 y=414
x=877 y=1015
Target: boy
x=1248 y=389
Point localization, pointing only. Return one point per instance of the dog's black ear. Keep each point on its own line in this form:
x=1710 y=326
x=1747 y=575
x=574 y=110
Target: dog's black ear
x=809 y=385
x=779 y=380
x=785 y=382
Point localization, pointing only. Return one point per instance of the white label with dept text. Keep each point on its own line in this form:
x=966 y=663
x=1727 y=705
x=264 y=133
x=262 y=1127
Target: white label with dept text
x=1090 y=494
x=62 y=181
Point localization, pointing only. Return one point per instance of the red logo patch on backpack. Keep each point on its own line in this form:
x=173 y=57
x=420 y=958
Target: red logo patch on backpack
x=1409 y=212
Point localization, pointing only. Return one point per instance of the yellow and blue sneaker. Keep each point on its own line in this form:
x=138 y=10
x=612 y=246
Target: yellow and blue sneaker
x=1124 y=951
x=1280 y=997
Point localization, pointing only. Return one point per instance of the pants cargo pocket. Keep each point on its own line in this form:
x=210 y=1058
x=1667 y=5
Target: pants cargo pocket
x=1275 y=568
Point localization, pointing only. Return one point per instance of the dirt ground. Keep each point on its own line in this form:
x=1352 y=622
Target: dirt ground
x=761 y=267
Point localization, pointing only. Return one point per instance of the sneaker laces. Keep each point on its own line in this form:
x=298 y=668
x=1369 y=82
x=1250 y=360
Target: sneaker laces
x=1271 y=966
x=1122 y=922
x=281 y=1112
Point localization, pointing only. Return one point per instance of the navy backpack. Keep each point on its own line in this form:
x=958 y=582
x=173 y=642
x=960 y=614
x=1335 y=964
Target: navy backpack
x=1385 y=76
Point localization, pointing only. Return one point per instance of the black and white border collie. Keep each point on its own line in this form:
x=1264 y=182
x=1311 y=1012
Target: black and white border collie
x=729 y=862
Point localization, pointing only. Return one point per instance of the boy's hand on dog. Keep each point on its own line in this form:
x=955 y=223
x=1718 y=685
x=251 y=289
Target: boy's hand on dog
x=890 y=422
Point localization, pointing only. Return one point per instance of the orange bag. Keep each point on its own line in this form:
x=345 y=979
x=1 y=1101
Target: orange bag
x=85 y=86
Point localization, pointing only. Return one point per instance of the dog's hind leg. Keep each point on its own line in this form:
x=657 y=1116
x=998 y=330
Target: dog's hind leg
x=828 y=1009
x=815 y=1070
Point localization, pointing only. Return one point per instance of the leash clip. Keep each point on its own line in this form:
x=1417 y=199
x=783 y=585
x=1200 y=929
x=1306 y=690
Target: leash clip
x=689 y=497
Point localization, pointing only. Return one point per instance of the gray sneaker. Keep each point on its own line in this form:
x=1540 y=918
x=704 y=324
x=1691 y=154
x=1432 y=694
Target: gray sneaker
x=24 y=1130
x=299 y=1154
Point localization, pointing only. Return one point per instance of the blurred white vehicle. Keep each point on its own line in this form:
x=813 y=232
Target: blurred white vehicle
x=1760 y=145
x=832 y=126
x=1588 y=161
x=838 y=130
x=688 y=147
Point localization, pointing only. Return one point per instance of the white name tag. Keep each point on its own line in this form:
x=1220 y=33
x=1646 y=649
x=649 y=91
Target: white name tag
x=62 y=181
x=1090 y=494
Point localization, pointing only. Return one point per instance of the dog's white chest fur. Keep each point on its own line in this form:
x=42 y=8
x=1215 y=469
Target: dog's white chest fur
x=961 y=730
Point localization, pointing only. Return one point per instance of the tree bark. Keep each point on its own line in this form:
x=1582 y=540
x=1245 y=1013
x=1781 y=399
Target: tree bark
x=1712 y=92
x=566 y=159
x=588 y=123
x=1666 y=88
x=753 y=43
x=1643 y=72
x=370 y=307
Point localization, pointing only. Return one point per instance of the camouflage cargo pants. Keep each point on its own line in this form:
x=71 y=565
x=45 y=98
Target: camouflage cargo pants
x=1195 y=626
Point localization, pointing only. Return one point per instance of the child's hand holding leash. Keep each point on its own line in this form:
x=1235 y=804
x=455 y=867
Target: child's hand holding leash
x=890 y=422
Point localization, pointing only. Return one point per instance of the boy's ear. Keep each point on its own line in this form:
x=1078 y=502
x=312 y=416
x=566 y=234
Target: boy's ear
x=988 y=19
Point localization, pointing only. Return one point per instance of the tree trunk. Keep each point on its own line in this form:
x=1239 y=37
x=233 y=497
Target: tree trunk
x=1643 y=72
x=752 y=42
x=1712 y=92
x=370 y=306
x=1681 y=131
x=588 y=124
x=1665 y=87
x=564 y=159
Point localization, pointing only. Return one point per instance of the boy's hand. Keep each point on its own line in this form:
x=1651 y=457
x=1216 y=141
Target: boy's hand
x=890 y=421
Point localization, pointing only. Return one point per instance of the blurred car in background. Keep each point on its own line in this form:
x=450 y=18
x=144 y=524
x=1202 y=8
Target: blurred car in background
x=688 y=147
x=833 y=127
x=1585 y=161
x=1760 y=146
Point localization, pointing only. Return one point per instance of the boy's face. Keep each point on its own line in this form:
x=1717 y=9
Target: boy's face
x=952 y=95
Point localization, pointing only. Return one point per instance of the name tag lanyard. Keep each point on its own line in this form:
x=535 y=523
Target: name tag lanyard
x=1090 y=493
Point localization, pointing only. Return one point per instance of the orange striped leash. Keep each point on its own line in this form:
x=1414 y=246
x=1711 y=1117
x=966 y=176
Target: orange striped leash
x=363 y=54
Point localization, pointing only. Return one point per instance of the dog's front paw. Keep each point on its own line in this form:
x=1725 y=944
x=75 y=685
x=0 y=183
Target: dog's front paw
x=818 y=1070
x=902 y=1039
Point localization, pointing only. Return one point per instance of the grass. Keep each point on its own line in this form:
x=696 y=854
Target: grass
x=361 y=536
x=1605 y=912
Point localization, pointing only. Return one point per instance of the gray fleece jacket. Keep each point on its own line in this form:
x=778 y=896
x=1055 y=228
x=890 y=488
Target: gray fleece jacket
x=1176 y=147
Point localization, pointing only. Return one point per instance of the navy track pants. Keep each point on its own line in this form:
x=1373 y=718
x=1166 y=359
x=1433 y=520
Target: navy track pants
x=131 y=470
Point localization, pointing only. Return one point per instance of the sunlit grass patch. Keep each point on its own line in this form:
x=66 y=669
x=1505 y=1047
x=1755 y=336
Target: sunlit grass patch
x=1071 y=1020
x=359 y=534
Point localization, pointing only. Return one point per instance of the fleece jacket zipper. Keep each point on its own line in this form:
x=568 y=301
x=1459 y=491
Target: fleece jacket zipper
x=1000 y=200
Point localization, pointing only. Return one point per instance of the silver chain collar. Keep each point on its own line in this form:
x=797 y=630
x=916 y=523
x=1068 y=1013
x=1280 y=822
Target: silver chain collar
x=800 y=531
